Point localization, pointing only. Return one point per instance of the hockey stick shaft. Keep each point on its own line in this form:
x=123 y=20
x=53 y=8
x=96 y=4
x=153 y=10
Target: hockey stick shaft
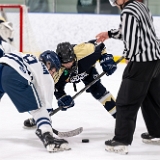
x=86 y=87
x=55 y=131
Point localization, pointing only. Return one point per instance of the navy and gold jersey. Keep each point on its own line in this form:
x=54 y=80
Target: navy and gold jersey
x=87 y=55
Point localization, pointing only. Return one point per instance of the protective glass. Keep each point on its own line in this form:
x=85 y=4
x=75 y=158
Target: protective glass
x=112 y=2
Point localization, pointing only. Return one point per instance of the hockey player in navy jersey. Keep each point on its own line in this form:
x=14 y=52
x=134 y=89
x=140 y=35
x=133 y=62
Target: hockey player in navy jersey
x=78 y=64
x=26 y=81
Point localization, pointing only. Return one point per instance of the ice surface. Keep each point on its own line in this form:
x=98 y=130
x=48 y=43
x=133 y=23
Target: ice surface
x=21 y=144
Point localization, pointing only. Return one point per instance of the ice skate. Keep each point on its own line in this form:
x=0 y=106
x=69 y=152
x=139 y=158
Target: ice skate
x=147 y=138
x=51 y=143
x=29 y=123
x=117 y=147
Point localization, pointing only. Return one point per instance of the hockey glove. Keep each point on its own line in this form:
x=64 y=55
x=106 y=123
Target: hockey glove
x=65 y=102
x=108 y=64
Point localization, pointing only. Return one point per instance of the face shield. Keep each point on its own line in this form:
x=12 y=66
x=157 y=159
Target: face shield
x=112 y=2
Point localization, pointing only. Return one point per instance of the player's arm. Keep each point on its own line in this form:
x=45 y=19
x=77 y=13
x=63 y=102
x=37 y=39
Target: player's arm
x=63 y=100
x=60 y=79
x=115 y=33
x=59 y=89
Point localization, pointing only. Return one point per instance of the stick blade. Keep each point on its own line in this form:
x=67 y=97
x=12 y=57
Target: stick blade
x=72 y=133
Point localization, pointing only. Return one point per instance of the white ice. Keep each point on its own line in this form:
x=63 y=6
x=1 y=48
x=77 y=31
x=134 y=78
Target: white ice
x=17 y=143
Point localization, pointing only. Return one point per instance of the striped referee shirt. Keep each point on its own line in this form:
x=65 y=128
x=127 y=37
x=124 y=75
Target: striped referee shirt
x=137 y=32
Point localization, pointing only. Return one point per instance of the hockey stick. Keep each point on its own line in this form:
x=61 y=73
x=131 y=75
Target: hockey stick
x=86 y=87
x=69 y=133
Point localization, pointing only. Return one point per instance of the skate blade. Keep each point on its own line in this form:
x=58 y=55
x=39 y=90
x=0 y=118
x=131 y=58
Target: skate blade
x=63 y=147
x=152 y=141
x=117 y=149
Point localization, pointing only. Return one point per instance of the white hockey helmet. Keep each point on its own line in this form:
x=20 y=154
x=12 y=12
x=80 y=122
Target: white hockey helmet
x=112 y=2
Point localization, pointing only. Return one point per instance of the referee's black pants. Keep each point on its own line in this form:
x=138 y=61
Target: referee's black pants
x=140 y=87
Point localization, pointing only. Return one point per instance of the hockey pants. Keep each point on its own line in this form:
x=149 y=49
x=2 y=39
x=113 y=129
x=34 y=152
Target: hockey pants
x=140 y=87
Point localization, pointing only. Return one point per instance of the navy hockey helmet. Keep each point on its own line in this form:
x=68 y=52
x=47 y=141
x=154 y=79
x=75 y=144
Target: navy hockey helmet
x=52 y=57
x=65 y=52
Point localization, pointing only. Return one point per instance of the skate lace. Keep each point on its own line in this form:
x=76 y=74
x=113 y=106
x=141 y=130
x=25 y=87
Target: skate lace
x=49 y=138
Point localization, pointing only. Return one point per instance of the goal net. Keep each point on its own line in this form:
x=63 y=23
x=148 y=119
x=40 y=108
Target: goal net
x=24 y=38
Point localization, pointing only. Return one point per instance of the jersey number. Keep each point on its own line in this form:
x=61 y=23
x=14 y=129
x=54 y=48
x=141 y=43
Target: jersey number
x=30 y=59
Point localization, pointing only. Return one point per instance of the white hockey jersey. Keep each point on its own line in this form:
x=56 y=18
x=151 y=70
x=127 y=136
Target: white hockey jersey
x=35 y=72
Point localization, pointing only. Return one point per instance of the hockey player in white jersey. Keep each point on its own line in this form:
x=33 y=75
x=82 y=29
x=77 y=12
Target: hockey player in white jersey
x=27 y=82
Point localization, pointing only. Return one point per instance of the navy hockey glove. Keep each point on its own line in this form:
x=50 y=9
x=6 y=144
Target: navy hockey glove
x=65 y=102
x=108 y=64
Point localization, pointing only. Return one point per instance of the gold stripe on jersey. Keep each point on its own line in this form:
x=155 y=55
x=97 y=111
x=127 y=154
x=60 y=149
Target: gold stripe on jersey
x=104 y=51
x=58 y=74
x=84 y=49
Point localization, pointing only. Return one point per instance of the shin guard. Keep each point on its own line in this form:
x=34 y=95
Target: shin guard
x=109 y=103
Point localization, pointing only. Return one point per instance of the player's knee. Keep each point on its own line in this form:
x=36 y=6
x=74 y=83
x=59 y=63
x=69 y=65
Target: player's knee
x=97 y=95
x=97 y=90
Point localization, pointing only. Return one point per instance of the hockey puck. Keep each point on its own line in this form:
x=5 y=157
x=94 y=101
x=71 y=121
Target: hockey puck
x=85 y=140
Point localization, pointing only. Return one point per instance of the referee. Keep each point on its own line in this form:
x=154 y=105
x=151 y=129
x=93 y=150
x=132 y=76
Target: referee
x=140 y=84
